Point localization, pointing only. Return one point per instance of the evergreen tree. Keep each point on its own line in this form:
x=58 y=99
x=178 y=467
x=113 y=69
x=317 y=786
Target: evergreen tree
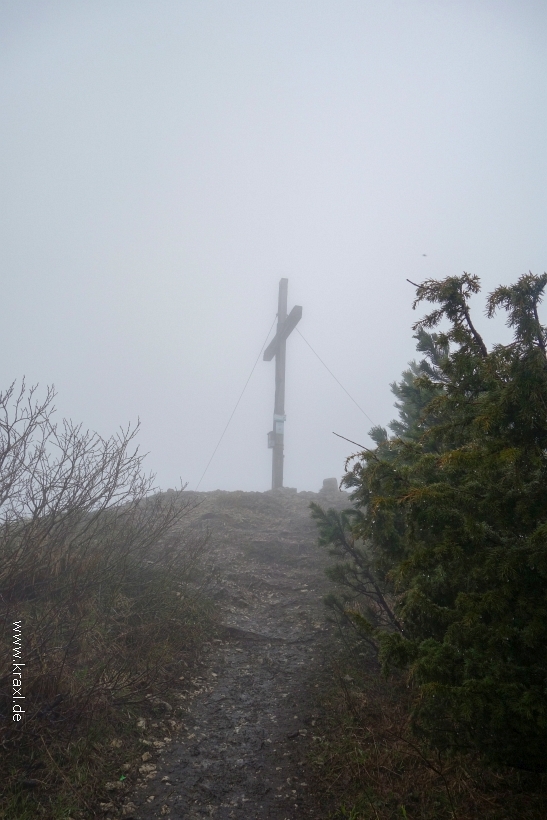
x=453 y=520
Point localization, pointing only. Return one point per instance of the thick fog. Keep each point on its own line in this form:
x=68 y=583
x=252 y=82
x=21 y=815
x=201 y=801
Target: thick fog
x=164 y=164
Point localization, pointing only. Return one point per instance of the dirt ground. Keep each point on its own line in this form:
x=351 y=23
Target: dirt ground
x=248 y=719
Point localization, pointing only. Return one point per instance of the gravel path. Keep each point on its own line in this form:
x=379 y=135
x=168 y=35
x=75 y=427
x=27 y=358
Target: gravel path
x=250 y=717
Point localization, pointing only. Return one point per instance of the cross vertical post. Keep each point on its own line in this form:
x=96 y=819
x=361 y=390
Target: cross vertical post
x=279 y=403
x=278 y=348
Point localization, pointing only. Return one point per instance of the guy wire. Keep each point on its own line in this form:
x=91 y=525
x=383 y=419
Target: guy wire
x=237 y=403
x=334 y=377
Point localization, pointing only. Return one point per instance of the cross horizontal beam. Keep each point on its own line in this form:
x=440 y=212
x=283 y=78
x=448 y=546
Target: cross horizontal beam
x=286 y=328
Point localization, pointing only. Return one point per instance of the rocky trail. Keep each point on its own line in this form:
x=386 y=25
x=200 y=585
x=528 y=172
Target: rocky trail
x=248 y=720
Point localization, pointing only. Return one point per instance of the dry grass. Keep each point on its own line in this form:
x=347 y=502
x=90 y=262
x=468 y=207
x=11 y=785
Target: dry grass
x=368 y=761
x=101 y=632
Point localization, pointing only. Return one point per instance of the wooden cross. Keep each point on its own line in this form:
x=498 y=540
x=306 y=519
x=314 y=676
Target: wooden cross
x=277 y=347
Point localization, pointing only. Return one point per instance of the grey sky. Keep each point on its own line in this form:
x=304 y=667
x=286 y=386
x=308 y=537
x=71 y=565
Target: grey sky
x=164 y=164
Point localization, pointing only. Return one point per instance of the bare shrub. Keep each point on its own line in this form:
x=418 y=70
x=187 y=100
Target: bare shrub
x=100 y=573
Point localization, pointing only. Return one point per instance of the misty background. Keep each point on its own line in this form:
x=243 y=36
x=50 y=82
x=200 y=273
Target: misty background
x=164 y=164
